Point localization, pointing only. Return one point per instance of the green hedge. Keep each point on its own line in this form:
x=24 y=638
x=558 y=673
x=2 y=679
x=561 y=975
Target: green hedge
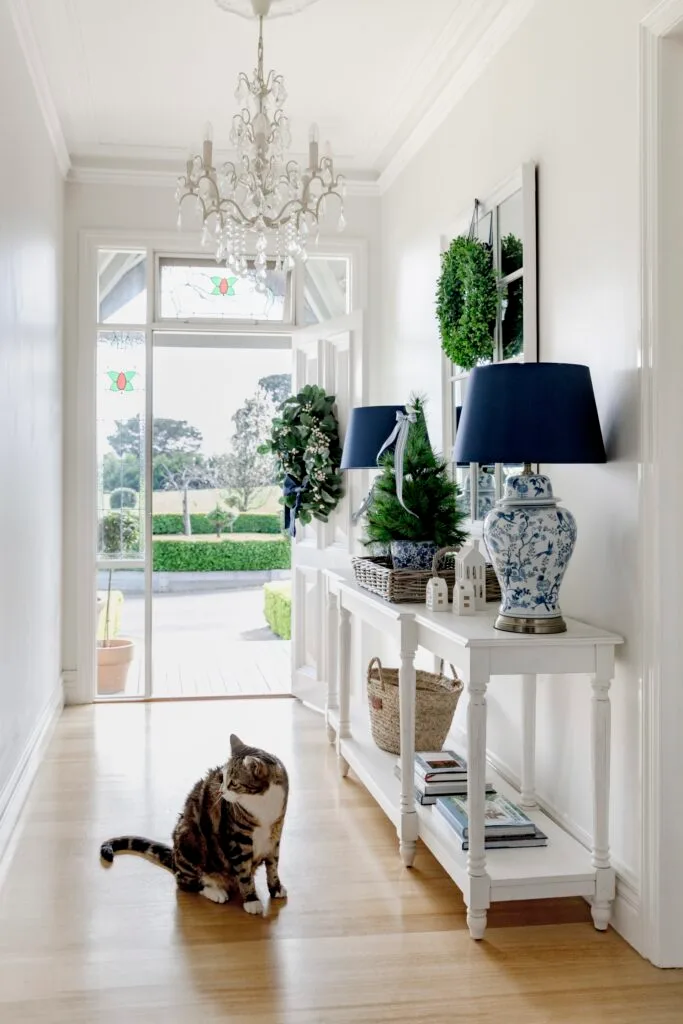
x=245 y=523
x=221 y=556
x=277 y=608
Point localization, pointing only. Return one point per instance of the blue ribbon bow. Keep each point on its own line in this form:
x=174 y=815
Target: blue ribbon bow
x=289 y=487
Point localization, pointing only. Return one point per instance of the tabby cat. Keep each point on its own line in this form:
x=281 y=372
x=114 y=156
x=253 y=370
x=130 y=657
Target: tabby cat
x=230 y=824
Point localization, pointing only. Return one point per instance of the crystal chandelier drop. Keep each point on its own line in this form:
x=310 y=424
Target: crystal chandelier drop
x=263 y=206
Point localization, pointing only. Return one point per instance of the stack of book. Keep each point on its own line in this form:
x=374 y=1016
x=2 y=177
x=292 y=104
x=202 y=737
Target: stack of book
x=506 y=826
x=439 y=773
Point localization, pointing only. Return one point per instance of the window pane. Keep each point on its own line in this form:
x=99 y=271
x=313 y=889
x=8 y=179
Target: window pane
x=201 y=290
x=511 y=230
x=120 y=444
x=512 y=318
x=121 y=287
x=326 y=288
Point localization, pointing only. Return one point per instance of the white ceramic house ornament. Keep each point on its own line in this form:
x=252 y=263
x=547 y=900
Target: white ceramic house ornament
x=463 y=598
x=470 y=567
x=437 y=595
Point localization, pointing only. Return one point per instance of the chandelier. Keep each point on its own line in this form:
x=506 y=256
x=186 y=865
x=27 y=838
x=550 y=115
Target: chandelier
x=262 y=206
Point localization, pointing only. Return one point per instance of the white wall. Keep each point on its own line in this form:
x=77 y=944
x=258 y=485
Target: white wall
x=563 y=93
x=146 y=211
x=31 y=194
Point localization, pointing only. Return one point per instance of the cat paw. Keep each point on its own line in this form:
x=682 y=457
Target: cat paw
x=278 y=892
x=216 y=895
x=253 y=907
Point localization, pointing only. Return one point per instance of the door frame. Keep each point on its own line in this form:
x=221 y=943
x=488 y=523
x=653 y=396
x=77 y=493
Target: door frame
x=661 y=935
x=79 y=670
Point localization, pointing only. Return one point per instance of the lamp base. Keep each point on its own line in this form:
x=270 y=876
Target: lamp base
x=530 y=541
x=511 y=624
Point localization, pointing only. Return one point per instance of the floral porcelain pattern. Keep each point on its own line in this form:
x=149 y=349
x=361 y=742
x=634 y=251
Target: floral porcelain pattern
x=412 y=554
x=530 y=541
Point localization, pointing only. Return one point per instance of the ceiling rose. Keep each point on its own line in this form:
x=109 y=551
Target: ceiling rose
x=263 y=8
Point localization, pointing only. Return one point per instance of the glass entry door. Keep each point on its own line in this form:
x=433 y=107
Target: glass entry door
x=216 y=534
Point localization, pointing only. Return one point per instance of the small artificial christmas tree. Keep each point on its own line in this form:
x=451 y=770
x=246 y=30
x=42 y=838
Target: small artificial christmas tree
x=428 y=493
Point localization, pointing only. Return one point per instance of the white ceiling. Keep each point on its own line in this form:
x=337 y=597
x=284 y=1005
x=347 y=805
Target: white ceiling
x=132 y=82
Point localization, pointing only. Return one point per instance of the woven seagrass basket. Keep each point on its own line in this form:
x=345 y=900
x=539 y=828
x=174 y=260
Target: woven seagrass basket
x=436 y=698
x=403 y=585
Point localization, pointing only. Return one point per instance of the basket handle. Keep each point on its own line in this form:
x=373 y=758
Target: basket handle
x=375 y=662
x=438 y=557
x=453 y=671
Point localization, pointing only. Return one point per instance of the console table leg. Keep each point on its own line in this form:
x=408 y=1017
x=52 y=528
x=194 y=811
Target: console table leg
x=331 y=662
x=344 y=686
x=528 y=794
x=408 y=826
x=479 y=882
x=604 y=873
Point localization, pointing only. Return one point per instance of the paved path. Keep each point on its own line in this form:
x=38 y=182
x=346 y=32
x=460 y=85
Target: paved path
x=207 y=644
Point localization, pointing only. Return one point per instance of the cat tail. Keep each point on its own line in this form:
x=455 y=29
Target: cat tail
x=159 y=853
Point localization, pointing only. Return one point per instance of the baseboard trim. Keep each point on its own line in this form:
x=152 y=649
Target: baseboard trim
x=18 y=786
x=626 y=914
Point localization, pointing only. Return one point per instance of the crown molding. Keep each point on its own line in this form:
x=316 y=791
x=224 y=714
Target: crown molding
x=34 y=63
x=501 y=29
x=104 y=174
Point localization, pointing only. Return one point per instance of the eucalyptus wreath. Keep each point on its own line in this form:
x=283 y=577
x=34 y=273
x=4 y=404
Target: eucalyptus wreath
x=305 y=442
x=467 y=302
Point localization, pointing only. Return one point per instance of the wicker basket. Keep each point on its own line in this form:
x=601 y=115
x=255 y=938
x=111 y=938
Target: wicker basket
x=401 y=585
x=436 y=698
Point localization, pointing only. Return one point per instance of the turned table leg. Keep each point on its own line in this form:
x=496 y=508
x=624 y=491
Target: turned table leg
x=479 y=882
x=408 y=825
x=344 y=685
x=604 y=873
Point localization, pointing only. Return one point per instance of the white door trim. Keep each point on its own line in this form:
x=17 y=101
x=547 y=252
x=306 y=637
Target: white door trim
x=661 y=601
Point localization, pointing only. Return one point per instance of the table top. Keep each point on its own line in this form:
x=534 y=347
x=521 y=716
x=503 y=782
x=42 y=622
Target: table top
x=475 y=630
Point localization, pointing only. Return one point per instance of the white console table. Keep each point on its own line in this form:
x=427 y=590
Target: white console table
x=478 y=651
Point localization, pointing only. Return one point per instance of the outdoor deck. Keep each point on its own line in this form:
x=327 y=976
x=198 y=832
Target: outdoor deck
x=207 y=644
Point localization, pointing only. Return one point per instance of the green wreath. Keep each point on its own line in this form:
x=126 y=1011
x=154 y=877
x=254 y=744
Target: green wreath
x=467 y=302
x=305 y=442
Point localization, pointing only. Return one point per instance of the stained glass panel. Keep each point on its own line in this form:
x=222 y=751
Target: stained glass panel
x=120 y=444
x=199 y=290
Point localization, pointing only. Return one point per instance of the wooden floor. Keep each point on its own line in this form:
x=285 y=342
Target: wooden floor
x=361 y=939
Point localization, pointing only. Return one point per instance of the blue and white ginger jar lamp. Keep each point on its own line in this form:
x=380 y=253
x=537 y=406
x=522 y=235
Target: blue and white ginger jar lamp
x=524 y=413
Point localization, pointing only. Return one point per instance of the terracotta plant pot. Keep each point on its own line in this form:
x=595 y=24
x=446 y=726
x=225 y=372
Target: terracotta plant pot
x=113 y=663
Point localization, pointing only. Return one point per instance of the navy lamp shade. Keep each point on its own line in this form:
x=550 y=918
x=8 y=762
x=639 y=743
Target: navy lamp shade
x=521 y=413
x=369 y=427
x=524 y=413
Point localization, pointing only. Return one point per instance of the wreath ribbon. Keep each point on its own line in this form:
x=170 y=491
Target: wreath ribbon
x=400 y=435
x=289 y=487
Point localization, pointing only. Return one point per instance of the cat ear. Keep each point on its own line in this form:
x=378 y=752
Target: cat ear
x=236 y=744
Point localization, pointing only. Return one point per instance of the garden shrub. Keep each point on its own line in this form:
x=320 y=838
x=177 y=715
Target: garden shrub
x=277 y=608
x=120 y=533
x=163 y=525
x=221 y=556
x=123 y=497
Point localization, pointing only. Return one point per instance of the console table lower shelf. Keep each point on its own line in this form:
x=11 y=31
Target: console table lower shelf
x=562 y=868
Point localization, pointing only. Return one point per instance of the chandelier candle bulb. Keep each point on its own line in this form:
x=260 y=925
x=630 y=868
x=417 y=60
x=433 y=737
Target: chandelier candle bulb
x=207 y=151
x=313 y=147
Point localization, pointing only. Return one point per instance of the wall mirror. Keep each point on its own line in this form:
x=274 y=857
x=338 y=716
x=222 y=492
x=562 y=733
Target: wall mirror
x=505 y=220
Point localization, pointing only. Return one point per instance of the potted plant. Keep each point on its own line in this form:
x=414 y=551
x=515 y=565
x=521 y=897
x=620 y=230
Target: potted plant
x=114 y=655
x=429 y=516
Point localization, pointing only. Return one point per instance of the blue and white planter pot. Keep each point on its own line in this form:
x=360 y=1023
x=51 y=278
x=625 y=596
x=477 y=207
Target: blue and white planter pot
x=413 y=554
x=530 y=541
